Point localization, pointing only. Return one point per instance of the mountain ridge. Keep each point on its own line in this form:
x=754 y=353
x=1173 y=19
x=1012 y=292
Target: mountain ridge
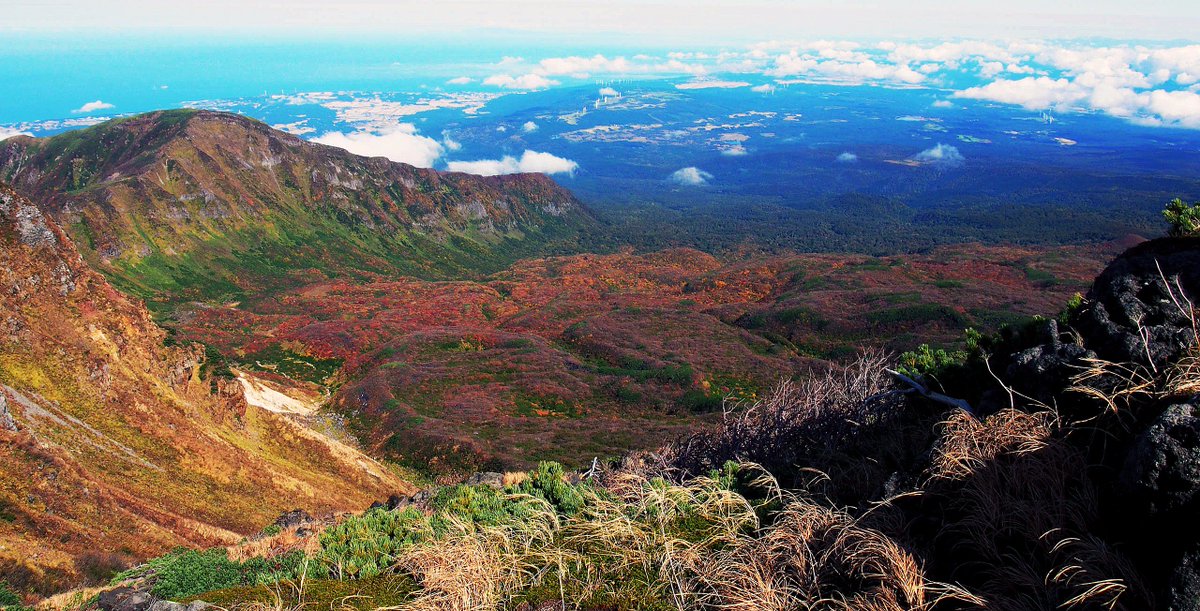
x=164 y=203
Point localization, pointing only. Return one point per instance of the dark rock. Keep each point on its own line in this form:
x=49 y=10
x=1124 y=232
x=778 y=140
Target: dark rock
x=395 y=501
x=1183 y=591
x=486 y=478
x=1137 y=310
x=125 y=598
x=292 y=518
x=1044 y=371
x=421 y=498
x=1162 y=471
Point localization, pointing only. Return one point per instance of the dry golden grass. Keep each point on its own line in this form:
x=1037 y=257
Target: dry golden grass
x=629 y=539
x=1018 y=508
x=512 y=478
x=814 y=556
x=969 y=443
x=71 y=600
x=286 y=541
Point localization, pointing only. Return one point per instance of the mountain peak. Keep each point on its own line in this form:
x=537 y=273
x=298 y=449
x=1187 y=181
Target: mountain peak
x=143 y=194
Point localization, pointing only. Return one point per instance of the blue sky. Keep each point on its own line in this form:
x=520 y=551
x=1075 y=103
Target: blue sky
x=678 y=20
x=73 y=62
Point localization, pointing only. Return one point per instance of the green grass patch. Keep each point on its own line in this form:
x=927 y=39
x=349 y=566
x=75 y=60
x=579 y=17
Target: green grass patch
x=294 y=365
x=361 y=594
x=917 y=313
x=948 y=284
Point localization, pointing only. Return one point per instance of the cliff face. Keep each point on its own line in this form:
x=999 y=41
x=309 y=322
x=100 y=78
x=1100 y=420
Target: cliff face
x=177 y=201
x=113 y=446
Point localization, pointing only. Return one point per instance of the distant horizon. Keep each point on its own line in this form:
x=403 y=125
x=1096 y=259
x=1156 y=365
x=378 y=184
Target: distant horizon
x=676 y=21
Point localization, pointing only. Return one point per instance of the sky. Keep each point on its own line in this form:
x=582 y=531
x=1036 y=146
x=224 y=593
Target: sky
x=72 y=63
x=723 y=21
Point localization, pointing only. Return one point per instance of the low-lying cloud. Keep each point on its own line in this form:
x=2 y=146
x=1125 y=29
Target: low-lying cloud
x=6 y=133
x=529 y=162
x=93 y=107
x=847 y=158
x=401 y=143
x=942 y=154
x=690 y=176
x=712 y=84
x=524 y=81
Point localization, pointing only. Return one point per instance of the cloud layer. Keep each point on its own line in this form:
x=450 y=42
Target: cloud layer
x=530 y=161
x=1151 y=85
x=401 y=143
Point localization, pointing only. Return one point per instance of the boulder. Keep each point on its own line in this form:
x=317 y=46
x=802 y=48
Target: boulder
x=1162 y=471
x=1183 y=591
x=6 y=420
x=396 y=501
x=486 y=478
x=1138 y=310
x=1044 y=371
x=292 y=518
x=125 y=598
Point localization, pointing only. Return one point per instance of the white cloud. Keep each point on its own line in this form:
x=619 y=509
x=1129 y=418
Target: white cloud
x=529 y=127
x=690 y=176
x=861 y=68
x=712 y=84
x=609 y=92
x=942 y=154
x=1035 y=93
x=1175 y=107
x=990 y=69
x=525 y=81
x=847 y=157
x=943 y=104
x=462 y=80
x=297 y=128
x=6 y=132
x=582 y=66
x=92 y=107
x=737 y=150
x=401 y=143
x=765 y=88
x=530 y=161
x=450 y=143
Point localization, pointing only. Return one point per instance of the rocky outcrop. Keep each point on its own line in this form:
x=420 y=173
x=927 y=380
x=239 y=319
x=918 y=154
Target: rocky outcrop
x=1183 y=590
x=1162 y=471
x=1138 y=310
x=6 y=420
x=1145 y=450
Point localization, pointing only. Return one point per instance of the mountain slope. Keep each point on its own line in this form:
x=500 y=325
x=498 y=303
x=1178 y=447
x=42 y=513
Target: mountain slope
x=187 y=205
x=114 y=447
